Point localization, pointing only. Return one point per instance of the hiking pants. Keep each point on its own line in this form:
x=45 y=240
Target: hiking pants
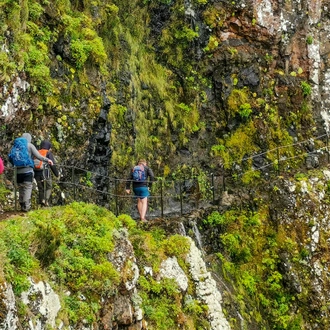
x=45 y=190
x=24 y=182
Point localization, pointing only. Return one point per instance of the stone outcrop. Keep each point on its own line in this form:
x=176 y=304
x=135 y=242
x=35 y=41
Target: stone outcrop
x=9 y=319
x=121 y=311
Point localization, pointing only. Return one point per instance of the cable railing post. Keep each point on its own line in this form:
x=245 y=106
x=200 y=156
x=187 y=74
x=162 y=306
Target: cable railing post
x=74 y=184
x=328 y=148
x=161 y=199
x=181 y=198
x=197 y=195
x=213 y=190
x=15 y=187
x=278 y=161
x=107 y=196
x=116 y=198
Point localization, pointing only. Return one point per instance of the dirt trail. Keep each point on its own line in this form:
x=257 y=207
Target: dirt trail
x=9 y=214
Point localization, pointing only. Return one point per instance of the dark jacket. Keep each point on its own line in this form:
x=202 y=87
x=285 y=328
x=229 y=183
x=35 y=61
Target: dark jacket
x=39 y=173
x=146 y=183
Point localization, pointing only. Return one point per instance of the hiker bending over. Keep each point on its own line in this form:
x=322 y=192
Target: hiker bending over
x=21 y=157
x=42 y=173
x=141 y=176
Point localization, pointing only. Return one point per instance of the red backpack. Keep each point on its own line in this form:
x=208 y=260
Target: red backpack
x=38 y=164
x=2 y=167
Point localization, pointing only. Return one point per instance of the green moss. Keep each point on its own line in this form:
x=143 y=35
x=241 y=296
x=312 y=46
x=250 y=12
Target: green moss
x=306 y=88
x=245 y=110
x=214 y=17
x=4 y=192
x=160 y=303
x=251 y=176
x=238 y=102
x=212 y=44
x=176 y=245
x=309 y=40
x=113 y=43
x=235 y=147
x=158 y=104
x=71 y=244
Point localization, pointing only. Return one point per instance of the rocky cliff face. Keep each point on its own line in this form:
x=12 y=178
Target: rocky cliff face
x=195 y=75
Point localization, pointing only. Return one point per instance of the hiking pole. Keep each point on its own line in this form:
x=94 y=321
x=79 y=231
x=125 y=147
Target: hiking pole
x=44 y=183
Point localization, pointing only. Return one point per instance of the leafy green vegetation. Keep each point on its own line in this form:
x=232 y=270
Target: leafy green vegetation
x=70 y=244
x=250 y=256
x=69 y=247
x=4 y=191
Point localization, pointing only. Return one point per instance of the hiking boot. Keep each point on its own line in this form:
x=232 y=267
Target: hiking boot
x=23 y=207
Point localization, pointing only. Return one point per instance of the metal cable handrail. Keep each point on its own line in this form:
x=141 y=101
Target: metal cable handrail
x=285 y=160
x=174 y=189
x=281 y=147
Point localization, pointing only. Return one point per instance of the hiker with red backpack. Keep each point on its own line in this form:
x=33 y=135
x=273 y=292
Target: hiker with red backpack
x=21 y=157
x=42 y=173
x=141 y=176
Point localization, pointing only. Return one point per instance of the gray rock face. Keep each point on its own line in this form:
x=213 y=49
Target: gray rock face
x=171 y=269
x=44 y=305
x=206 y=289
x=125 y=309
x=9 y=319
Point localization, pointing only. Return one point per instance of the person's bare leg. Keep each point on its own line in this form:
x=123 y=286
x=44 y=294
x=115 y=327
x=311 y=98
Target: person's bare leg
x=139 y=207
x=144 y=206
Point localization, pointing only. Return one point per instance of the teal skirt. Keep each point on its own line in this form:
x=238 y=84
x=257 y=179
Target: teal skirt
x=141 y=192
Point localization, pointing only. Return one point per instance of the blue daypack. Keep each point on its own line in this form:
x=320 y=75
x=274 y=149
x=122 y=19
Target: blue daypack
x=19 y=153
x=139 y=173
